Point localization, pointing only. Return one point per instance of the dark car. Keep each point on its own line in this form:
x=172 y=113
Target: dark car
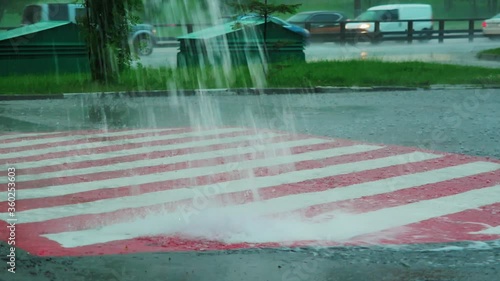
x=294 y=28
x=322 y=25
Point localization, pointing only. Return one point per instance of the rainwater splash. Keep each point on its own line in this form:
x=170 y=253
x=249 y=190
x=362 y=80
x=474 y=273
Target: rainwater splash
x=262 y=139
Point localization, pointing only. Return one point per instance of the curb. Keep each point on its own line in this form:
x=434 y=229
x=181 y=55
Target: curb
x=31 y=97
x=241 y=92
x=247 y=91
x=463 y=87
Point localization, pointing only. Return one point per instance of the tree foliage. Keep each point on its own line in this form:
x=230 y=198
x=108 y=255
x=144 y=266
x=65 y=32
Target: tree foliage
x=106 y=29
x=262 y=8
x=10 y=5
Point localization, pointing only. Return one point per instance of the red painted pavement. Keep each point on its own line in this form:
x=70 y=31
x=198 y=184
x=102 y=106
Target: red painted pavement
x=462 y=225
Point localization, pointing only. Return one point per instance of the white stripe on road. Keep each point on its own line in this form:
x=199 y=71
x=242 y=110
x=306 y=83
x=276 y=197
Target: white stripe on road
x=152 y=198
x=170 y=160
x=203 y=171
x=489 y=231
x=147 y=149
x=290 y=203
x=389 y=218
x=336 y=229
x=28 y=143
x=69 y=148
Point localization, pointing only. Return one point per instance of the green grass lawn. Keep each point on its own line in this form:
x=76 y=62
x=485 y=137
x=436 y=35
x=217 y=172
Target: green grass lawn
x=336 y=73
x=378 y=73
x=491 y=52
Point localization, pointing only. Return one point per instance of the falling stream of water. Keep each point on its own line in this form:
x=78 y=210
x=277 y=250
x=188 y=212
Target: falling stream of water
x=211 y=220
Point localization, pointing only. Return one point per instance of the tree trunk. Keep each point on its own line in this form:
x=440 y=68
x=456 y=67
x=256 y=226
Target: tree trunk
x=107 y=30
x=493 y=5
x=100 y=59
x=3 y=7
x=357 y=7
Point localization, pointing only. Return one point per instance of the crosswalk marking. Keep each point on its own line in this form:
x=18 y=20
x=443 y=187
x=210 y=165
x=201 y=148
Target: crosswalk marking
x=148 y=199
x=22 y=143
x=186 y=173
x=69 y=148
x=490 y=230
x=139 y=150
x=169 y=160
x=271 y=206
x=76 y=191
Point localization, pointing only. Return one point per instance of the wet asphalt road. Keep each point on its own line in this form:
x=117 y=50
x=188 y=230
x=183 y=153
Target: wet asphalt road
x=461 y=262
x=452 y=51
x=460 y=121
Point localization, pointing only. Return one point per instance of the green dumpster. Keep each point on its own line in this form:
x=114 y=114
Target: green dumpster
x=240 y=42
x=43 y=48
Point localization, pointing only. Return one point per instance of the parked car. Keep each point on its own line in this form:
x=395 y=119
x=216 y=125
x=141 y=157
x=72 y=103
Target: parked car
x=321 y=24
x=491 y=27
x=389 y=17
x=142 y=37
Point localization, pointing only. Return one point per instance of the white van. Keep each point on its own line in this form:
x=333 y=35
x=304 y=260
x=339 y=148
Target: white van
x=389 y=17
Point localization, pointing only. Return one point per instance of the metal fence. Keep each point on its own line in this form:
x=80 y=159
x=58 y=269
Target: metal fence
x=439 y=31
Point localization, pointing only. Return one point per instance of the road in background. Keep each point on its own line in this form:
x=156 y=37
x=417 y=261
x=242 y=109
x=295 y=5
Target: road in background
x=453 y=51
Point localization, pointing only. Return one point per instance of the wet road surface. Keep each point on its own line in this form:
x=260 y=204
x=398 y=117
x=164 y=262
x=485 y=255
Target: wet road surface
x=460 y=121
x=453 y=51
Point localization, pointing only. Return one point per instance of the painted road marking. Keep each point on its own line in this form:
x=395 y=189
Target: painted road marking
x=29 y=152
x=88 y=194
x=169 y=160
x=49 y=136
x=490 y=230
x=187 y=173
x=200 y=171
x=271 y=206
x=142 y=150
x=153 y=198
x=59 y=140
